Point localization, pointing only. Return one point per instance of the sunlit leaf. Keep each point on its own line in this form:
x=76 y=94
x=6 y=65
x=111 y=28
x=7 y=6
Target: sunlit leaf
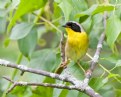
x=94 y=9
x=102 y=8
x=26 y=91
x=88 y=12
x=113 y=75
x=6 y=42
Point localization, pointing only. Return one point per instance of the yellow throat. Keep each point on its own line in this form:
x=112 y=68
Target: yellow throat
x=76 y=45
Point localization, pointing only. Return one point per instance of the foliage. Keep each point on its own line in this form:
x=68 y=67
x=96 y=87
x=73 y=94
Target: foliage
x=33 y=28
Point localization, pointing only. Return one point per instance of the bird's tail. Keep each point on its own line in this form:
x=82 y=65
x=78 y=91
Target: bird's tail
x=59 y=70
x=62 y=67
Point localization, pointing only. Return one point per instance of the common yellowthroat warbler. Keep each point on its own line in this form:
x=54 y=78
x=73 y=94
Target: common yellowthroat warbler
x=77 y=42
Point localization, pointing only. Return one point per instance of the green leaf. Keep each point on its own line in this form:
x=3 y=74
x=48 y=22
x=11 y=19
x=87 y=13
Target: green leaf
x=76 y=70
x=98 y=83
x=63 y=93
x=83 y=18
x=94 y=9
x=28 y=43
x=21 y=30
x=57 y=92
x=111 y=58
x=24 y=7
x=57 y=11
x=60 y=92
x=72 y=93
x=22 y=91
x=102 y=8
x=78 y=5
x=41 y=91
x=18 y=88
x=81 y=94
x=113 y=30
x=44 y=59
x=118 y=92
x=66 y=8
x=87 y=12
x=6 y=42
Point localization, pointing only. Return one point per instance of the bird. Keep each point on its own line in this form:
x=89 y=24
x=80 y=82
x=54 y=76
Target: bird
x=76 y=44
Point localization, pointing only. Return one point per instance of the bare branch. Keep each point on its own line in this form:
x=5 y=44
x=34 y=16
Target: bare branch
x=59 y=86
x=78 y=85
x=62 y=50
x=62 y=47
x=98 y=51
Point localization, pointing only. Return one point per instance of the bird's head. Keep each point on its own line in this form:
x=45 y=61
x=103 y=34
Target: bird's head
x=73 y=26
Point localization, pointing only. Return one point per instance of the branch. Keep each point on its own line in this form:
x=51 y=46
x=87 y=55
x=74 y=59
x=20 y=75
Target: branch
x=60 y=86
x=21 y=83
x=98 y=51
x=78 y=85
x=62 y=47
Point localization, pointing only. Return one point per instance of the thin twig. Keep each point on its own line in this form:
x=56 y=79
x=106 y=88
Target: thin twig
x=105 y=70
x=45 y=20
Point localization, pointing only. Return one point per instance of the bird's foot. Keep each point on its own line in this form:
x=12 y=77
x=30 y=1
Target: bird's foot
x=88 y=73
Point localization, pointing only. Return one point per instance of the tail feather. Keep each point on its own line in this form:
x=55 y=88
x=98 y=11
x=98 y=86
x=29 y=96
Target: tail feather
x=59 y=70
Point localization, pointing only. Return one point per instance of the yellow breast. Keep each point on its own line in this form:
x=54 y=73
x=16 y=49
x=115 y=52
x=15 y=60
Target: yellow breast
x=76 y=45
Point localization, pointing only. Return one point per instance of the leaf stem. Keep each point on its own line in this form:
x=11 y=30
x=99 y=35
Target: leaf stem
x=42 y=18
x=108 y=71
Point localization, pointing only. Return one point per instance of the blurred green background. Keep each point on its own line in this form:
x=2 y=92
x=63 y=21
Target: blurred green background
x=30 y=32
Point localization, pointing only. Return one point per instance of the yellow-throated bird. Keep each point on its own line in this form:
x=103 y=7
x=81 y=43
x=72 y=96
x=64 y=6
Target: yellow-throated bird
x=77 y=42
